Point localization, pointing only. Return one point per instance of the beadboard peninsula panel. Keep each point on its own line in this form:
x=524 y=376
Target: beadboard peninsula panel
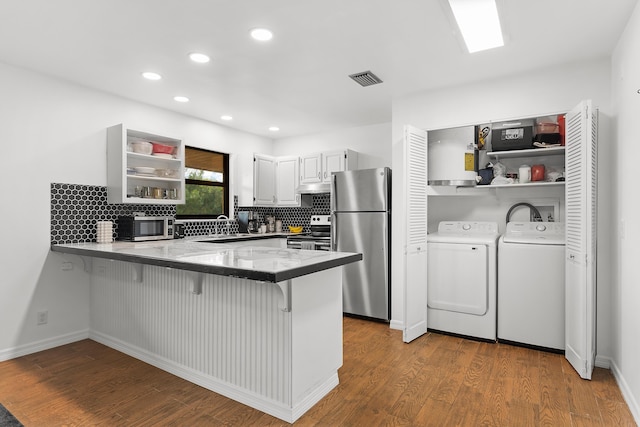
x=233 y=338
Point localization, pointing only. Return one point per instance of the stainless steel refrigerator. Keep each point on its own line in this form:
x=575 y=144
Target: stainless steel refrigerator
x=361 y=222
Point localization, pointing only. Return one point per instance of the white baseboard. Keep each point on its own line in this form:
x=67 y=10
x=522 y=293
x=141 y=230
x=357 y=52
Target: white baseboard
x=632 y=403
x=603 y=362
x=396 y=324
x=34 y=347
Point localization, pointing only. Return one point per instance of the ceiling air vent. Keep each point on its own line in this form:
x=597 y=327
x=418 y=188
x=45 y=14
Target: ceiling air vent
x=365 y=78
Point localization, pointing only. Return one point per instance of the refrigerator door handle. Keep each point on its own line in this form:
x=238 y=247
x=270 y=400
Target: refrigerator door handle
x=334 y=232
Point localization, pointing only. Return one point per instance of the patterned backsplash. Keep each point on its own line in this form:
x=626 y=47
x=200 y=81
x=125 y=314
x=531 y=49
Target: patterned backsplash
x=75 y=209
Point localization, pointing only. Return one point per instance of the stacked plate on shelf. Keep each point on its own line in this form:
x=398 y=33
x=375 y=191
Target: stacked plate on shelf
x=145 y=171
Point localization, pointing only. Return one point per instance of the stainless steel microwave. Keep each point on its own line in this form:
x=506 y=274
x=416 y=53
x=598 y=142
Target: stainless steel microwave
x=141 y=228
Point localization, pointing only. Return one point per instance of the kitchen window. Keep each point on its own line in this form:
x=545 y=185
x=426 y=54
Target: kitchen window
x=206 y=184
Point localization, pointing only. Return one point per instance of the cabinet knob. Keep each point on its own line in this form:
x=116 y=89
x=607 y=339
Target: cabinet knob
x=318 y=175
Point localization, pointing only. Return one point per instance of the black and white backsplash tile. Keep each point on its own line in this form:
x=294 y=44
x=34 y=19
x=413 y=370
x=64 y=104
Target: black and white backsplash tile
x=75 y=210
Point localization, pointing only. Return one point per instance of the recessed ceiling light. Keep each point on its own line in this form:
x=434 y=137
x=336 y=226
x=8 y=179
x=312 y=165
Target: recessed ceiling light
x=200 y=58
x=274 y=128
x=151 y=75
x=479 y=23
x=226 y=117
x=261 y=34
x=181 y=99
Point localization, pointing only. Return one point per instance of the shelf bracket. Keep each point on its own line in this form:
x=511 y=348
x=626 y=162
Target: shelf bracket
x=285 y=288
x=137 y=273
x=87 y=263
x=197 y=279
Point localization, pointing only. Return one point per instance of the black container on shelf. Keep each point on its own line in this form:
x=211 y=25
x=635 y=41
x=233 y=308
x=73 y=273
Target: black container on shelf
x=512 y=135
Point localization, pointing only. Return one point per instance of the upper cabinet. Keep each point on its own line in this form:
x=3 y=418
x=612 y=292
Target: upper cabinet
x=264 y=183
x=287 y=181
x=275 y=180
x=144 y=168
x=316 y=168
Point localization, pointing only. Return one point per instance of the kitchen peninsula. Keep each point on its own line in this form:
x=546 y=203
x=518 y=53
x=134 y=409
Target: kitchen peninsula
x=260 y=325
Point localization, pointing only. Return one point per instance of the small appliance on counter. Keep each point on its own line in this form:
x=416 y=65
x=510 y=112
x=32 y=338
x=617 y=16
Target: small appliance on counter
x=253 y=225
x=243 y=222
x=178 y=230
x=138 y=228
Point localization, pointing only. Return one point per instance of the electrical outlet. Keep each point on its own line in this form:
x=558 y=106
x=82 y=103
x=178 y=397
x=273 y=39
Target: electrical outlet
x=66 y=266
x=43 y=317
x=101 y=270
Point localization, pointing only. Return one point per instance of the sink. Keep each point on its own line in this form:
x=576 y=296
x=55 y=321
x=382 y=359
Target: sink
x=222 y=237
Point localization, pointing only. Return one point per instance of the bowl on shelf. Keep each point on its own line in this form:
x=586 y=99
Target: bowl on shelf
x=295 y=230
x=143 y=170
x=167 y=173
x=141 y=147
x=162 y=149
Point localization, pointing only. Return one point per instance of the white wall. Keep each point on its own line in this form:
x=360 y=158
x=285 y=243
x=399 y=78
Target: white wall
x=53 y=131
x=371 y=142
x=625 y=230
x=528 y=95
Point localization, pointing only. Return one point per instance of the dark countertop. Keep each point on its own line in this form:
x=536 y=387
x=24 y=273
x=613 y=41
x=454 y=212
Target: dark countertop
x=250 y=261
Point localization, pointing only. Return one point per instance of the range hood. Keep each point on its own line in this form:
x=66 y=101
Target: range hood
x=314 y=188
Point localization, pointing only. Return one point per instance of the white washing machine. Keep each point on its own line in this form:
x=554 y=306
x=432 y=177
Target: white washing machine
x=531 y=284
x=461 y=278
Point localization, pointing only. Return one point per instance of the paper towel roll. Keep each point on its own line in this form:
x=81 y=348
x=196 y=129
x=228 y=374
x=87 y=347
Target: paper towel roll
x=104 y=232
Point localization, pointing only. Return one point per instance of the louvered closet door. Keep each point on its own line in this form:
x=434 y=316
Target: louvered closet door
x=415 y=232
x=580 y=284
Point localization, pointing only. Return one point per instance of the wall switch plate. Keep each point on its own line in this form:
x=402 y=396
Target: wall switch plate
x=43 y=317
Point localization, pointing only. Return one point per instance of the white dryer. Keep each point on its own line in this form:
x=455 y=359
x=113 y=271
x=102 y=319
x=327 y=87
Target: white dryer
x=461 y=278
x=531 y=276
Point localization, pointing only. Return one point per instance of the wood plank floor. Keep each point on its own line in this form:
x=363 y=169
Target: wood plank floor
x=437 y=380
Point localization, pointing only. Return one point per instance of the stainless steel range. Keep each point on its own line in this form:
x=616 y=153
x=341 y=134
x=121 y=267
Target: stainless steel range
x=319 y=237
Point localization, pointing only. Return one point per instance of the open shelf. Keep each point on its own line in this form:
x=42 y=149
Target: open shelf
x=530 y=152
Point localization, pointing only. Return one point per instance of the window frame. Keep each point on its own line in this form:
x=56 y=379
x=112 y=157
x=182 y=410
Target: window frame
x=224 y=185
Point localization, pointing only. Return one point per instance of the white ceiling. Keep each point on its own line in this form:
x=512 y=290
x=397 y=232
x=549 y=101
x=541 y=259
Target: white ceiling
x=298 y=81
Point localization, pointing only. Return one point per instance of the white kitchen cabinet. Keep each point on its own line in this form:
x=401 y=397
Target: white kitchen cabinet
x=311 y=168
x=317 y=167
x=287 y=181
x=264 y=180
x=130 y=173
x=275 y=180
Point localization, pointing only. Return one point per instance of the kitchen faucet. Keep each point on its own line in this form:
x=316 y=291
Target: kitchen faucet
x=226 y=218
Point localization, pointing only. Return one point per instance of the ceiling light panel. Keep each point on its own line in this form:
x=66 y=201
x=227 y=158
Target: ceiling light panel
x=151 y=75
x=200 y=58
x=261 y=34
x=479 y=23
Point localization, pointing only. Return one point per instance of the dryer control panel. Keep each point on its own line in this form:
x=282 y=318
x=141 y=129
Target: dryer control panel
x=467 y=227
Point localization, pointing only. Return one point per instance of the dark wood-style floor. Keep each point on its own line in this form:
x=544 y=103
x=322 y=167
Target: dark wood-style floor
x=437 y=380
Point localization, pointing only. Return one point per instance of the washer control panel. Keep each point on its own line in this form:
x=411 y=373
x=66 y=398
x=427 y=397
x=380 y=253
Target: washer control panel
x=551 y=233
